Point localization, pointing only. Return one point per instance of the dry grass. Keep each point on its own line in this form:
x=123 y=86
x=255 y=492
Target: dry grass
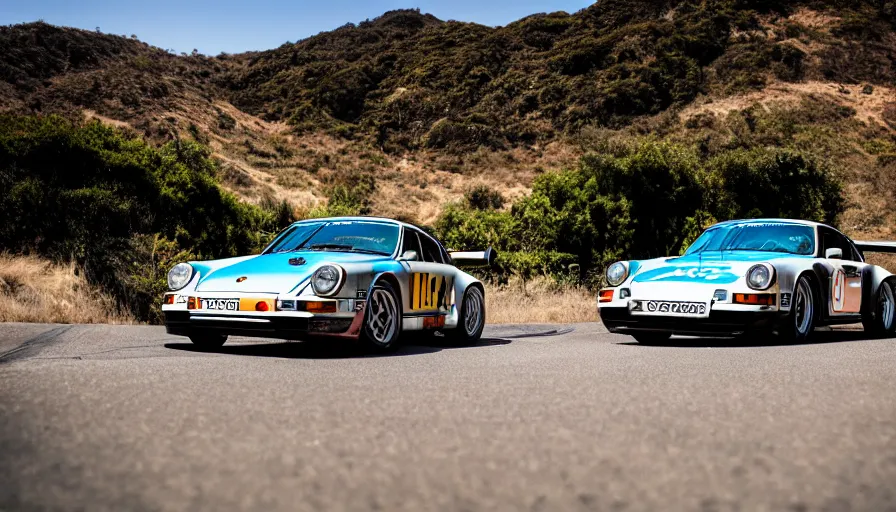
x=540 y=303
x=36 y=290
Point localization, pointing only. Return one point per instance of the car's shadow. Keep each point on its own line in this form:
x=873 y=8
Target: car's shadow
x=818 y=338
x=334 y=349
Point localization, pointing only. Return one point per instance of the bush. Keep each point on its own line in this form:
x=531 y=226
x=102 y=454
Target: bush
x=91 y=194
x=646 y=199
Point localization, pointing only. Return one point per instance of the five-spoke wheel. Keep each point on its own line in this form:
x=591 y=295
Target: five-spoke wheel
x=471 y=320
x=382 y=320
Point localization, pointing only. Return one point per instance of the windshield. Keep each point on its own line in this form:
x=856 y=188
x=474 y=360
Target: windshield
x=340 y=236
x=293 y=236
x=786 y=238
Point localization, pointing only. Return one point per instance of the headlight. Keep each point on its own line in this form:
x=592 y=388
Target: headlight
x=761 y=276
x=617 y=273
x=326 y=280
x=180 y=276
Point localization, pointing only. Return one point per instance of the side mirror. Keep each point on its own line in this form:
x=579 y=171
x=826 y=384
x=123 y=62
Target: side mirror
x=834 y=253
x=408 y=256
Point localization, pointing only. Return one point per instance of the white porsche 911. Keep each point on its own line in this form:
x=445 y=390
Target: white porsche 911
x=752 y=276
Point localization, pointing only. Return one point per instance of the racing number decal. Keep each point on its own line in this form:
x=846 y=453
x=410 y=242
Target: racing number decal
x=429 y=292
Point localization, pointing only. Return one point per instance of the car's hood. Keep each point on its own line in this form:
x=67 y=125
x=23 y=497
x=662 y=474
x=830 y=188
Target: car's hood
x=716 y=267
x=272 y=273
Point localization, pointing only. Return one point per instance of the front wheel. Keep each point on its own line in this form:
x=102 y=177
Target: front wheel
x=382 y=319
x=879 y=319
x=207 y=341
x=471 y=320
x=798 y=326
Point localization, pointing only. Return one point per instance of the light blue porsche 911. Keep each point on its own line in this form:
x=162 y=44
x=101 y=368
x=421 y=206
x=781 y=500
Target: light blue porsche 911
x=753 y=276
x=350 y=277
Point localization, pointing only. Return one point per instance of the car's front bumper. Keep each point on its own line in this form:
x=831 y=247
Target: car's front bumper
x=184 y=318
x=718 y=323
x=184 y=323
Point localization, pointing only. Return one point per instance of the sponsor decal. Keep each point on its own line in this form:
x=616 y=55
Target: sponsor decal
x=785 y=300
x=668 y=307
x=241 y=279
x=220 y=304
x=359 y=305
x=362 y=294
x=181 y=299
x=430 y=292
x=703 y=273
x=297 y=262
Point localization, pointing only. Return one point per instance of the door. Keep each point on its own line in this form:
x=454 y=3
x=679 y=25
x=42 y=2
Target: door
x=845 y=285
x=430 y=279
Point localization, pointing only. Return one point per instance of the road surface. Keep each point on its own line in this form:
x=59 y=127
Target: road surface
x=129 y=418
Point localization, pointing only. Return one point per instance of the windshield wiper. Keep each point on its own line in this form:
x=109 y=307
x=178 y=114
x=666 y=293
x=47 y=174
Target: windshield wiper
x=345 y=248
x=331 y=247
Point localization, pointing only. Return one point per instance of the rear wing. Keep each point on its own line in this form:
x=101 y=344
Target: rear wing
x=473 y=258
x=887 y=247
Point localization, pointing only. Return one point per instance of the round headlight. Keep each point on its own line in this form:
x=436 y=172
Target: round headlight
x=616 y=273
x=326 y=279
x=759 y=277
x=180 y=276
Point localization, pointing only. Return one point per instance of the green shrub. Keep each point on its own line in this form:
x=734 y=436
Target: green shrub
x=89 y=193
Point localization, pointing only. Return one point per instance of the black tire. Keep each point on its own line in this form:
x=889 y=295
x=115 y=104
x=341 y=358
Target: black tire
x=207 y=341
x=651 y=338
x=471 y=320
x=799 y=324
x=381 y=331
x=879 y=319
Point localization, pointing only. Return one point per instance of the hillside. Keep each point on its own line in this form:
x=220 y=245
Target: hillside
x=410 y=116
x=426 y=107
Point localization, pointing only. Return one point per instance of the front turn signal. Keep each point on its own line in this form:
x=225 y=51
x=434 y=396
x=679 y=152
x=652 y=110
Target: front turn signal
x=755 y=299
x=605 y=296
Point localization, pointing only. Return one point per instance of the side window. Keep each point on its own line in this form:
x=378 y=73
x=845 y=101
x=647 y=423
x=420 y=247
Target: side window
x=445 y=256
x=832 y=239
x=432 y=252
x=411 y=243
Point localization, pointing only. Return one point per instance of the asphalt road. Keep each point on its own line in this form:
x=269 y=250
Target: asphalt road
x=128 y=418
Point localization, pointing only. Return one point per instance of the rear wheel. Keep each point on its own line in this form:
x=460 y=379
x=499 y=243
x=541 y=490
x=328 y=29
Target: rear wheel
x=382 y=319
x=651 y=338
x=208 y=341
x=471 y=320
x=880 y=319
x=798 y=326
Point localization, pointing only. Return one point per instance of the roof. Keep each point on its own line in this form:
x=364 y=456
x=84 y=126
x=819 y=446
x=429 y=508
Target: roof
x=778 y=221
x=360 y=218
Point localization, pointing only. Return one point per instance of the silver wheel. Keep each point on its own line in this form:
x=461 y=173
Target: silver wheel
x=804 y=307
x=382 y=317
x=473 y=308
x=886 y=306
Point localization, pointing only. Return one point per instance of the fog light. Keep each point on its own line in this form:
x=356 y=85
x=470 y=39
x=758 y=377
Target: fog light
x=261 y=306
x=720 y=295
x=625 y=293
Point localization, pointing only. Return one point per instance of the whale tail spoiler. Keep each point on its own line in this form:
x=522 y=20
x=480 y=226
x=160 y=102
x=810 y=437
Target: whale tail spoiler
x=473 y=258
x=883 y=246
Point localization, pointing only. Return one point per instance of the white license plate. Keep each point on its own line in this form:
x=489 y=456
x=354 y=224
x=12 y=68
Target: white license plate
x=669 y=308
x=221 y=304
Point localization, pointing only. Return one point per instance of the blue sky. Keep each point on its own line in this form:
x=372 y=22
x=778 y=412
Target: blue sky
x=228 y=26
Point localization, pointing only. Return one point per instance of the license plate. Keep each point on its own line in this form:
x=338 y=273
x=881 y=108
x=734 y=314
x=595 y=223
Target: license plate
x=669 y=308
x=221 y=304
